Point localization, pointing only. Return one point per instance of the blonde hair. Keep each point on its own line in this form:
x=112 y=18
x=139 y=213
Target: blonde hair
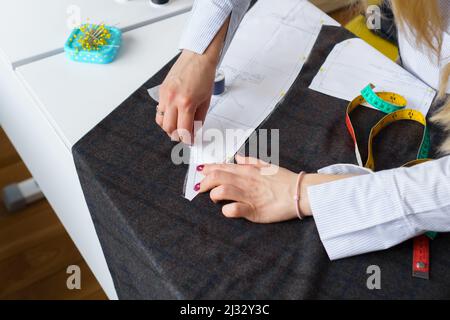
x=425 y=20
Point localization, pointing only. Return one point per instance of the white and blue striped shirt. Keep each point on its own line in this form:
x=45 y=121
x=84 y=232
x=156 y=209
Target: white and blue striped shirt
x=369 y=212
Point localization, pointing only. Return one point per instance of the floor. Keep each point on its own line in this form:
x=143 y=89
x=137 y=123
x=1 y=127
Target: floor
x=35 y=250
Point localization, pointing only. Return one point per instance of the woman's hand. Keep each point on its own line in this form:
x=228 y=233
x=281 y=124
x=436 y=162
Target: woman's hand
x=259 y=197
x=186 y=92
x=185 y=95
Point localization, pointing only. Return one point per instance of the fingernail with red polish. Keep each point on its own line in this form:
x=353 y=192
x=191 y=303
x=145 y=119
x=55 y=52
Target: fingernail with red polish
x=197 y=187
x=200 y=167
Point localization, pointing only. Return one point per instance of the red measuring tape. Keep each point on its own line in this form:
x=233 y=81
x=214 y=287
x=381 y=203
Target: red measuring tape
x=421 y=257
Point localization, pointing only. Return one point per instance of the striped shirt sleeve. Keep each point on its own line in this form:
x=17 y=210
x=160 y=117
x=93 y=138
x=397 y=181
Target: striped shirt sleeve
x=207 y=17
x=375 y=211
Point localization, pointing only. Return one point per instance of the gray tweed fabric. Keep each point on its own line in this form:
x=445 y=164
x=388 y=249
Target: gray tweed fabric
x=160 y=246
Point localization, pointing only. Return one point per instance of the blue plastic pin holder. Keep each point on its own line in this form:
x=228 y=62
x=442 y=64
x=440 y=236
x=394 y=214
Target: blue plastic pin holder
x=92 y=43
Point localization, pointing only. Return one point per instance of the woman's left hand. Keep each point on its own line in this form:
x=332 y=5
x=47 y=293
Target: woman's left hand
x=261 y=192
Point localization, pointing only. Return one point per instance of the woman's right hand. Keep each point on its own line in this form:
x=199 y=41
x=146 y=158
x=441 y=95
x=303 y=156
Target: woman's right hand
x=185 y=94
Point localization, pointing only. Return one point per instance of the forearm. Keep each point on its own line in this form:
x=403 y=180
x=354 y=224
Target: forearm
x=212 y=53
x=375 y=211
x=312 y=180
x=208 y=16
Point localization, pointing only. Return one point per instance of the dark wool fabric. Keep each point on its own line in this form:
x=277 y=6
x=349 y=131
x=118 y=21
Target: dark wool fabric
x=158 y=245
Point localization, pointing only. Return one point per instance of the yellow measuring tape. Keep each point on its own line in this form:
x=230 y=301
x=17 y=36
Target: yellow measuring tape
x=393 y=104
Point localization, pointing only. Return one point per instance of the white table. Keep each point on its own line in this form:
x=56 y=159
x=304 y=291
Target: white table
x=44 y=113
x=34 y=29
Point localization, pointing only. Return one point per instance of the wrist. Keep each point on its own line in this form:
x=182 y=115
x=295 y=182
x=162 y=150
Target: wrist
x=299 y=192
x=211 y=55
x=315 y=179
x=305 y=207
x=208 y=58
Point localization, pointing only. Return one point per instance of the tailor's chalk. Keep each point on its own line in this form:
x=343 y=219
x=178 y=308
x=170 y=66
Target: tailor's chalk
x=154 y=93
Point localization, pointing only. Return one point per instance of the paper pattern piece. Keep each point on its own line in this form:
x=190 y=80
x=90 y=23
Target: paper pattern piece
x=266 y=55
x=353 y=64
